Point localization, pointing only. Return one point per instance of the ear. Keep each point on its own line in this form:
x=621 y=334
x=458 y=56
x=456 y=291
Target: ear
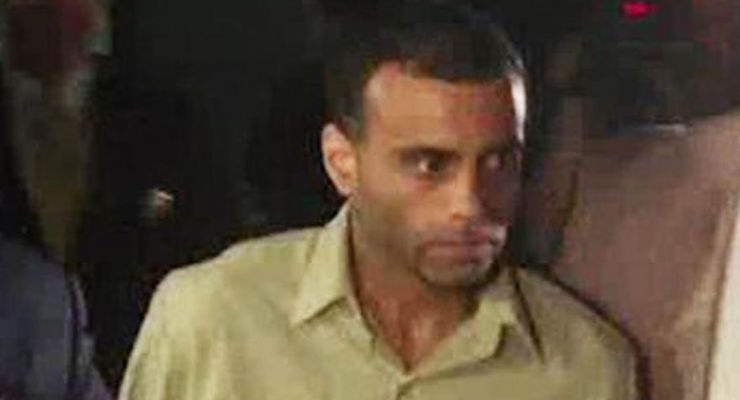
x=340 y=159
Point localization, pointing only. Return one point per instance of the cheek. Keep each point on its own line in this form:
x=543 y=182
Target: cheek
x=393 y=204
x=424 y=205
x=377 y=187
x=501 y=201
x=378 y=199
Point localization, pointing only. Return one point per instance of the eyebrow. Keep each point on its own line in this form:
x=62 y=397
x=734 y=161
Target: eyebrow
x=426 y=150
x=500 y=148
x=505 y=147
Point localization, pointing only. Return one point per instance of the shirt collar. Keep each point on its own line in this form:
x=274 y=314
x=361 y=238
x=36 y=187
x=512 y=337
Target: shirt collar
x=327 y=280
x=503 y=302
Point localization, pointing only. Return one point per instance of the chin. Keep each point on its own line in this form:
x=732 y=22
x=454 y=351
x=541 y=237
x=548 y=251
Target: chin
x=456 y=276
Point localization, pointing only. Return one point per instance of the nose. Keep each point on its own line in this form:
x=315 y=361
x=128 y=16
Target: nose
x=476 y=197
x=466 y=203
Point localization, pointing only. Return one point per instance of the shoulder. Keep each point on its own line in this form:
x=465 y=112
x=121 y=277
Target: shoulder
x=199 y=311
x=24 y=266
x=275 y=258
x=572 y=334
x=34 y=285
x=261 y=272
x=44 y=315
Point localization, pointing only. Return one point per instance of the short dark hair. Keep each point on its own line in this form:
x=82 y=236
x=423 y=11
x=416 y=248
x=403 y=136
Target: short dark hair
x=429 y=38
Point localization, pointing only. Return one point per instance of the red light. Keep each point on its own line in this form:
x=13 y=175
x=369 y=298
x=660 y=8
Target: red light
x=636 y=10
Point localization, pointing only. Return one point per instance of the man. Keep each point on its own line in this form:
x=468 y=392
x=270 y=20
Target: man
x=405 y=294
x=45 y=349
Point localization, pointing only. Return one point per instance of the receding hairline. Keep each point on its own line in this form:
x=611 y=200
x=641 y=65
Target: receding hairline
x=372 y=87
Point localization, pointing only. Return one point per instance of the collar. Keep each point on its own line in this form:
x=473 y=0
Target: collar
x=503 y=302
x=327 y=281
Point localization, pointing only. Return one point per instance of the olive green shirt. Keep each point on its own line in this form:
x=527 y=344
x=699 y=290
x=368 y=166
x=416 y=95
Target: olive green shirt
x=275 y=319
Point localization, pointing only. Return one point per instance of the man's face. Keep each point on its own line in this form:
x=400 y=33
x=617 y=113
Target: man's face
x=437 y=174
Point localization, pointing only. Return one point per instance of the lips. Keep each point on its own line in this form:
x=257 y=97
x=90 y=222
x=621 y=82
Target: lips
x=466 y=242
x=465 y=239
x=468 y=245
x=479 y=242
x=461 y=250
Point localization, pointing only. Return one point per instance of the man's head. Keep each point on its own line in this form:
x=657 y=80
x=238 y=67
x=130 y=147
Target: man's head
x=425 y=138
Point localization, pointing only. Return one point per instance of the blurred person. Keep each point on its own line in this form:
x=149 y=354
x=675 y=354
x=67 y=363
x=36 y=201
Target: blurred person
x=49 y=71
x=407 y=292
x=45 y=351
x=651 y=245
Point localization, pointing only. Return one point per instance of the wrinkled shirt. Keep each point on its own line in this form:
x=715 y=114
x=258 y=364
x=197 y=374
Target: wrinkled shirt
x=275 y=318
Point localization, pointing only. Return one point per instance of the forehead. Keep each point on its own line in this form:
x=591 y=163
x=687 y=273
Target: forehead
x=401 y=104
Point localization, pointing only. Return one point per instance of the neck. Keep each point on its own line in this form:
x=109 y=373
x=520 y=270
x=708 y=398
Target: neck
x=411 y=315
x=399 y=288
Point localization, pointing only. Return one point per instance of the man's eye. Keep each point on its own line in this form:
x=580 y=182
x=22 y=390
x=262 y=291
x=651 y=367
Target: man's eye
x=430 y=165
x=426 y=165
x=493 y=162
x=507 y=161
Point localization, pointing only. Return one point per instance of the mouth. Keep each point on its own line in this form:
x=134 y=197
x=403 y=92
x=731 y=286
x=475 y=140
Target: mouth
x=467 y=246
x=463 y=241
x=461 y=250
x=477 y=238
